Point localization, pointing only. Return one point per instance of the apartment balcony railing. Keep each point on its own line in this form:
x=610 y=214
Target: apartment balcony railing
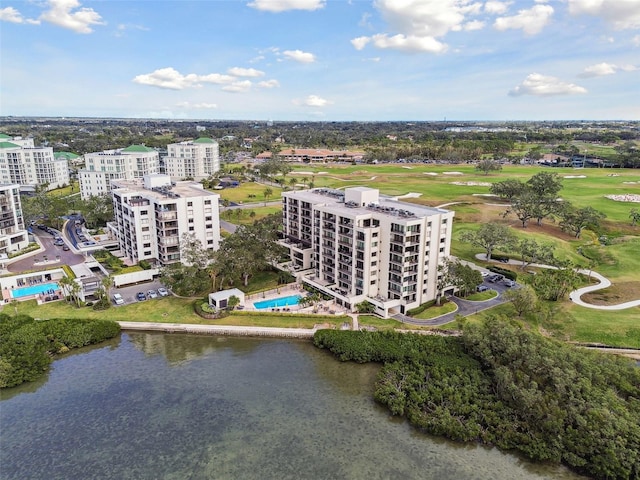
x=166 y=216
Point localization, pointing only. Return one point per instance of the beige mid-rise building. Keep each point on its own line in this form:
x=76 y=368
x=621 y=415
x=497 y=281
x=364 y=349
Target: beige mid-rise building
x=357 y=245
x=152 y=214
x=193 y=159
x=13 y=234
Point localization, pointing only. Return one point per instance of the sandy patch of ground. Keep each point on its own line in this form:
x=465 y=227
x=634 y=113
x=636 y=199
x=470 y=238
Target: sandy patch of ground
x=628 y=197
x=483 y=195
x=408 y=168
x=631 y=183
x=430 y=173
x=471 y=184
x=575 y=176
x=616 y=293
x=410 y=195
x=452 y=173
x=322 y=173
x=303 y=173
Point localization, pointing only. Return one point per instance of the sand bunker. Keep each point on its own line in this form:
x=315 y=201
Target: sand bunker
x=575 y=176
x=408 y=168
x=631 y=183
x=471 y=184
x=410 y=195
x=452 y=173
x=303 y=173
x=629 y=197
x=430 y=173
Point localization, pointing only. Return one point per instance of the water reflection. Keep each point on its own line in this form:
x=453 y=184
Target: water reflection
x=179 y=406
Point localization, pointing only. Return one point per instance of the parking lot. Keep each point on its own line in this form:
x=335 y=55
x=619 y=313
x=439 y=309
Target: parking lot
x=129 y=292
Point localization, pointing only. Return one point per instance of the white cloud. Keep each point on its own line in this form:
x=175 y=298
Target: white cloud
x=299 y=56
x=419 y=24
x=531 y=21
x=602 y=69
x=473 y=25
x=360 y=42
x=238 y=87
x=545 y=86
x=67 y=14
x=277 y=6
x=11 y=15
x=496 y=8
x=269 y=83
x=409 y=44
x=636 y=40
x=197 y=106
x=245 y=72
x=171 y=79
x=621 y=14
x=312 y=101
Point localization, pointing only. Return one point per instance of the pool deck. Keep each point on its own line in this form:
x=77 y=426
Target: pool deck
x=326 y=307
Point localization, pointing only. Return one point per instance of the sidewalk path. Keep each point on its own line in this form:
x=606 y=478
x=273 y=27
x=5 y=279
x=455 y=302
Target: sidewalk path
x=576 y=294
x=220 y=329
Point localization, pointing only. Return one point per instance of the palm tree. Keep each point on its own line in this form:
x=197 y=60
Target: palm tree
x=293 y=182
x=268 y=192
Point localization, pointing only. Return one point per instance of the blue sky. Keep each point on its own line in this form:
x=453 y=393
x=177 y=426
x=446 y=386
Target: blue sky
x=366 y=60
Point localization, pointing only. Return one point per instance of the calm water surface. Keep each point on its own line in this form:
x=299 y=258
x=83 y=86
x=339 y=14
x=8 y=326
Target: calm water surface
x=155 y=406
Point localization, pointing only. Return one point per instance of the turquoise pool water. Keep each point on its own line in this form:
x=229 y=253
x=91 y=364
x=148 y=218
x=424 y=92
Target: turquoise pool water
x=278 y=302
x=34 y=289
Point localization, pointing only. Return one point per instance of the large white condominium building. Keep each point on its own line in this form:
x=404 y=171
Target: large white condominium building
x=153 y=213
x=195 y=159
x=29 y=166
x=13 y=235
x=101 y=168
x=357 y=245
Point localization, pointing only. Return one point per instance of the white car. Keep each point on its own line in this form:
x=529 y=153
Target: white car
x=163 y=292
x=152 y=294
x=117 y=299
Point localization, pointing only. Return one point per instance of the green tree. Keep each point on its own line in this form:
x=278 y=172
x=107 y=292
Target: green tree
x=508 y=189
x=233 y=302
x=464 y=277
x=268 y=192
x=365 y=307
x=524 y=207
x=523 y=299
x=575 y=220
x=490 y=237
x=545 y=186
x=488 y=165
x=555 y=284
x=533 y=252
x=634 y=215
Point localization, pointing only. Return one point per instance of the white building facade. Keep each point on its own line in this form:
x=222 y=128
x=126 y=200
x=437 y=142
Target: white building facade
x=101 y=168
x=29 y=166
x=357 y=245
x=152 y=214
x=13 y=234
x=194 y=159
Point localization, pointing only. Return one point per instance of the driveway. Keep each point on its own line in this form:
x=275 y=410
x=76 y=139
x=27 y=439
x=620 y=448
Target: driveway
x=51 y=252
x=129 y=292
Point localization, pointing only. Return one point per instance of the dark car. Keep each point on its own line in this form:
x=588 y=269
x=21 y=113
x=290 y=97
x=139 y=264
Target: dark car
x=140 y=296
x=482 y=288
x=65 y=247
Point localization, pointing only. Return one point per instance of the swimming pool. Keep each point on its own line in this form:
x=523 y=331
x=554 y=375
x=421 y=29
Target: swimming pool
x=34 y=289
x=289 y=301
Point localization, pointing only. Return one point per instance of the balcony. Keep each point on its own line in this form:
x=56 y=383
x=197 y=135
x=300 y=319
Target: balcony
x=167 y=216
x=168 y=240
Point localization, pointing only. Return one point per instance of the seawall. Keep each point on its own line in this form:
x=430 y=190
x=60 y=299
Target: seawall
x=219 y=330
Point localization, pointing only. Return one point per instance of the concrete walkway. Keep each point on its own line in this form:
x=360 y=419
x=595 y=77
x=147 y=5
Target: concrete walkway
x=576 y=294
x=220 y=330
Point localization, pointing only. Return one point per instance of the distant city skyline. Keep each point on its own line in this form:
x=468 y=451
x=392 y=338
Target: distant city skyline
x=318 y=60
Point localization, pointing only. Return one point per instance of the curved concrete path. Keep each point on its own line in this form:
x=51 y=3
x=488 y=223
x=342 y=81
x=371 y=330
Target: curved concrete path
x=576 y=294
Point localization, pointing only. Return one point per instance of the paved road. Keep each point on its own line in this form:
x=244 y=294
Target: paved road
x=51 y=251
x=129 y=292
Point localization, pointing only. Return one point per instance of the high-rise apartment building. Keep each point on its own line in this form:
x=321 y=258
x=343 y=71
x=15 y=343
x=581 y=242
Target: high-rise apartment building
x=152 y=214
x=357 y=245
x=13 y=235
x=194 y=159
x=29 y=166
x=101 y=168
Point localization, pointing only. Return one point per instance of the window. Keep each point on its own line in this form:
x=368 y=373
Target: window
x=207 y=202
x=189 y=204
x=191 y=229
x=146 y=245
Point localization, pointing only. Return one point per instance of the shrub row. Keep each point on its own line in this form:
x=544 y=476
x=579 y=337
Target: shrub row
x=418 y=310
x=27 y=345
x=503 y=271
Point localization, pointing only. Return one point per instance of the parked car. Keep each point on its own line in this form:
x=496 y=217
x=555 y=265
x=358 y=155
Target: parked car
x=152 y=294
x=484 y=274
x=163 y=292
x=495 y=278
x=482 y=288
x=509 y=283
x=65 y=247
x=141 y=296
x=59 y=243
x=117 y=299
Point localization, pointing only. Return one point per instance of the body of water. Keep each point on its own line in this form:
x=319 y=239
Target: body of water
x=159 y=406
x=289 y=301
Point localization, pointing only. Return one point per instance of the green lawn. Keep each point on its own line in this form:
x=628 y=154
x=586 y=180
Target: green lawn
x=242 y=193
x=242 y=216
x=380 y=323
x=436 y=311
x=482 y=296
